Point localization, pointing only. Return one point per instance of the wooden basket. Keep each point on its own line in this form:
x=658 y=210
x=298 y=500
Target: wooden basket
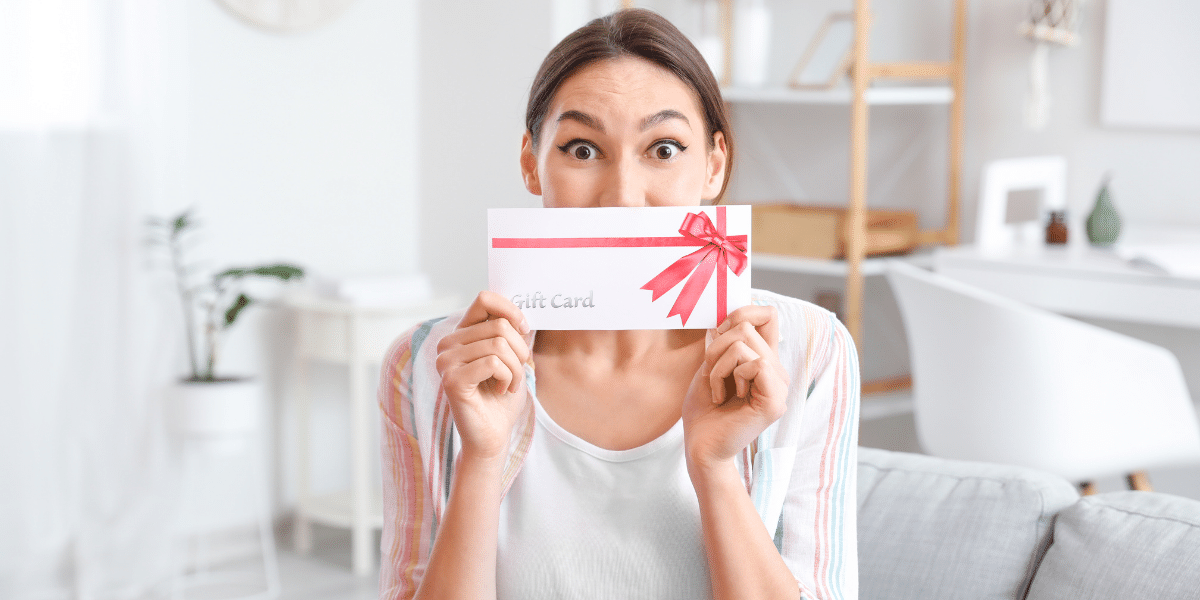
x=820 y=231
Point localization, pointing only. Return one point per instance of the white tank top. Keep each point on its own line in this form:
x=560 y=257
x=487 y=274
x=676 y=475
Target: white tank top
x=584 y=522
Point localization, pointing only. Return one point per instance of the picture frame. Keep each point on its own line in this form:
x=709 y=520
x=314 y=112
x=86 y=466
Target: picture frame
x=996 y=229
x=827 y=58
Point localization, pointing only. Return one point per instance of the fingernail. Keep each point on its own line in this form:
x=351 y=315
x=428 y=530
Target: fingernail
x=524 y=327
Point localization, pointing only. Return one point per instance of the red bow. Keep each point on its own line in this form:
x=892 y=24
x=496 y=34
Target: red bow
x=718 y=253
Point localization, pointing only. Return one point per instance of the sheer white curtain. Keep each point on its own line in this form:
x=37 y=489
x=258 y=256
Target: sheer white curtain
x=88 y=147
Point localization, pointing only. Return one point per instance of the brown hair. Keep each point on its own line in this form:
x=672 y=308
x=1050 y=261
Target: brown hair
x=639 y=33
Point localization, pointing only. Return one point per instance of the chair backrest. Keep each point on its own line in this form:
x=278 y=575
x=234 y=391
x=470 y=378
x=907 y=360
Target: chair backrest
x=996 y=380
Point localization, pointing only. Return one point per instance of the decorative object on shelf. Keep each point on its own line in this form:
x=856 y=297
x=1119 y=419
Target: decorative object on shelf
x=1056 y=229
x=994 y=229
x=820 y=231
x=827 y=58
x=212 y=299
x=287 y=16
x=751 y=43
x=1049 y=22
x=709 y=38
x=1104 y=222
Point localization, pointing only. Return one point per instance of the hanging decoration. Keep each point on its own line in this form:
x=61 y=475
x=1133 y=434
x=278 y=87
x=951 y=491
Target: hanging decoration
x=1049 y=22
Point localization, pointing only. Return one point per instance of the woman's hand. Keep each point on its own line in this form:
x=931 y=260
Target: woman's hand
x=740 y=389
x=483 y=373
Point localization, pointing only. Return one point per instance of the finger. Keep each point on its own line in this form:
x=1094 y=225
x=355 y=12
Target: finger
x=490 y=305
x=498 y=347
x=724 y=367
x=477 y=372
x=757 y=373
x=498 y=328
x=743 y=332
x=763 y=318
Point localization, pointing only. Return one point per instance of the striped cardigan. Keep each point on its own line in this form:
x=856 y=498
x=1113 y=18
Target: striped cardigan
x=800 y=472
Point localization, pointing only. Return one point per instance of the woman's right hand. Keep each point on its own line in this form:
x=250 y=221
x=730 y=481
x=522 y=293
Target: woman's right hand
x=482 y=368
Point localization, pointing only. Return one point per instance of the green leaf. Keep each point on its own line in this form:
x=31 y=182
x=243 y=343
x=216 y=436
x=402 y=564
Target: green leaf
x=280 y=271
x=236 y=309
x=283 y=272
x=182 y=222
x=235 y=273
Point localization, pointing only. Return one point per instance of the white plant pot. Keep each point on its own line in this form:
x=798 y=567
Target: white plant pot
x=220 y=412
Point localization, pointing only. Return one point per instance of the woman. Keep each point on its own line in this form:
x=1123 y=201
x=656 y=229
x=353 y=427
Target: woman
x=622 y=464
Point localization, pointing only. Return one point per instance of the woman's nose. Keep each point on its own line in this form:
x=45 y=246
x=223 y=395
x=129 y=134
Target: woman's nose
x=627 y=186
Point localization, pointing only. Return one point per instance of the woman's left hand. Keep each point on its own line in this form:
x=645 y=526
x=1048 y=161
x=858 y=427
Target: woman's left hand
x=740 y=389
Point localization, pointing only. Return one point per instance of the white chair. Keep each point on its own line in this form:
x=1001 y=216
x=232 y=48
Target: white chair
x=995 y=380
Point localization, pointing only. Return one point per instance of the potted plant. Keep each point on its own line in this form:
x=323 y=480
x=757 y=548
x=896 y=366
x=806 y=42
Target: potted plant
x=205 y=403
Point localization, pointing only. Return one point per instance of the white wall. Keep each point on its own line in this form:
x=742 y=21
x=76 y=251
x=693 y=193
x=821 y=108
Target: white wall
x=303 y=147
x=478 y=60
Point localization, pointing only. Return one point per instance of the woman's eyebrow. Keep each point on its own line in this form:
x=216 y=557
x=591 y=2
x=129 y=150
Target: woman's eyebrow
x=583 y=118
x=661 y=116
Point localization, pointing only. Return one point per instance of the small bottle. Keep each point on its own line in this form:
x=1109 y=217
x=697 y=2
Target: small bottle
x=1056 y=230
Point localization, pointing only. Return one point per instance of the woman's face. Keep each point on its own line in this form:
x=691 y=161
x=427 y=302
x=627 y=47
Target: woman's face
x=623 y=132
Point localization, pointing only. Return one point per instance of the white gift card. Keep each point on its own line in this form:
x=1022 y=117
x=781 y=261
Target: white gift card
x=621 y=268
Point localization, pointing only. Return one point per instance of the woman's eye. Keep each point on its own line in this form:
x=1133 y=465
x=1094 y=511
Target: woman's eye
x=666 y=150
x=580 y=150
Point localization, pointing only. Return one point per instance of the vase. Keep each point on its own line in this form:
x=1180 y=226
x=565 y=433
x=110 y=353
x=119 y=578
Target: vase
x=709 y=40
x=221 y=415
x=1104 y=222
x=751 y=43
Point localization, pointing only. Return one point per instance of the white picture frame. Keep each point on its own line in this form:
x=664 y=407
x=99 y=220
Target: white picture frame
x=993 y=230
x=827 y=58
x=1149 y=77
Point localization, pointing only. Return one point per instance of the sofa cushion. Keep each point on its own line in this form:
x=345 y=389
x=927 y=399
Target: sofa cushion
x=931 y=528
x=1123 y=545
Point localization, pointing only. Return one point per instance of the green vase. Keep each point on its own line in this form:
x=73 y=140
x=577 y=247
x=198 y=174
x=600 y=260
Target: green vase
x=1104 y=222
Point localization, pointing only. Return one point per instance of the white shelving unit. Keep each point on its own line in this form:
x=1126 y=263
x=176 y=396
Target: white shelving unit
x=872 y=84
x=357 y=336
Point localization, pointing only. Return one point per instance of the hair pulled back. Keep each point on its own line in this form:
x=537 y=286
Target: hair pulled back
x=639 y=33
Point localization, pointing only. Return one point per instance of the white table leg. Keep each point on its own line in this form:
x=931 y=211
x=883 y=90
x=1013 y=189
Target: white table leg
x=302 y=527
x=362 y=553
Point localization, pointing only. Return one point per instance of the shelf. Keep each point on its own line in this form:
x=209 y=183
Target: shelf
x=877 y=96
x=335 y=509
x=882 y=406
x=835 y=268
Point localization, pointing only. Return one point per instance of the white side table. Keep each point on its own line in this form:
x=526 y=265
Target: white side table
x=357 y=336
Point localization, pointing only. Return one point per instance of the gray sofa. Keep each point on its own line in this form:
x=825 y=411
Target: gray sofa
x=930 y=528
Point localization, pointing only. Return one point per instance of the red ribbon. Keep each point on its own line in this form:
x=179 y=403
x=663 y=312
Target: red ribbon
x=719 y=252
